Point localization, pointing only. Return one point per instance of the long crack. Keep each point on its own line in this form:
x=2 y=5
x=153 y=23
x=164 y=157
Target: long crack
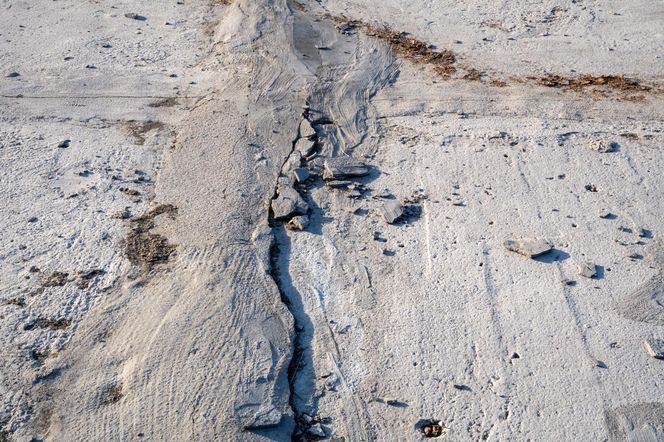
x=280 y=254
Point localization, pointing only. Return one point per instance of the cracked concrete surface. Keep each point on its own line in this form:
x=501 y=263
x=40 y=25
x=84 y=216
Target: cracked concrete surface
x=235 y=326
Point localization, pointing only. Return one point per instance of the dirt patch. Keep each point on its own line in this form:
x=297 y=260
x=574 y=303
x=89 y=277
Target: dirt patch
x=446 y=64
x=56 y=279
x=166 y=102
x=54 y=324
x=111 y=394
x=146 y=249
x=405 y=46
x=139 y=129
x=615 y=82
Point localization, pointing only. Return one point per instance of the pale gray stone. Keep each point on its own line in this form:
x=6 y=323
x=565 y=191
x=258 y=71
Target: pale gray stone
x=587 y=269
x=531 y=248
x=265 y=417
x=306 y=129
x=288 y=203
x=298 y=223
x=391 y=211
x=305 y=146
x=300 y=174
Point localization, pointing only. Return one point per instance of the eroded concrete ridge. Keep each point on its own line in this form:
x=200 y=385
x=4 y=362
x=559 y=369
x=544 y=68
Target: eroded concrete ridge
x=326 y=220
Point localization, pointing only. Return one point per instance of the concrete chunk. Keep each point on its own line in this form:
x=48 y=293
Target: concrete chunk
x=531 y=248
x=587 y=269
x=341 y=168
x=391 y=211
x=300 y=174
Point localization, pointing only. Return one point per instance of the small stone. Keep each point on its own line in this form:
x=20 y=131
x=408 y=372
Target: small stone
x=434 y=429
x=64 y=144
x=301 y=174
x=12 y=75
x=32 y=219
x=391 y=211
x=603 y=146
x=384 y=194
x=531 y=248
x=606 y=215
x=298 y=223
x=306 y=129
x=135 y=16
x=655 y=347
x=587 y=269
x=316 y=430
x=340 y=168
x=591 y=188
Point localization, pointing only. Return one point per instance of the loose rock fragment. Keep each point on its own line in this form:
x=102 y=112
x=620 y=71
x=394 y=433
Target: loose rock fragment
x=603 y=146
x=64 y=144
x=391 y=211
x=305 y=146
x=306 y=129
x=341 y=168
x=434 y=429
x=655 y=348
x=587 y=269
x=298 y=223
x=301 y=174
x=135 y=16
x=531 y=248
x=288 y=202
x=338 y=184
x=12 y=75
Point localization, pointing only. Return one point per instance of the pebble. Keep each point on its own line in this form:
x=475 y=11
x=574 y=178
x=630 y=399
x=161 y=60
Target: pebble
x=288 y=203
x=12 y=75
x=298 y=223
x=603 y=146
x=64 y=144
x=135 y=16
x=587 y=269
x=391 y=211
x=265 y=417
x=655 y=348
x=531 y=248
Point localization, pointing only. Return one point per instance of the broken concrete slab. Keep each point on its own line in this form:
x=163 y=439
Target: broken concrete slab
x=531 y=248
x=587 y=269
x=340 y=168
x=655 y=347
x=391 y=211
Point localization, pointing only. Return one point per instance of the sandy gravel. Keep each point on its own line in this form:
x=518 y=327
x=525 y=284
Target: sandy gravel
x=283 y=220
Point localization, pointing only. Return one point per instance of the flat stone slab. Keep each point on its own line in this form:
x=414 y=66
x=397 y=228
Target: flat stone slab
x=391 y=211
x=655 y=347
x=587 y=269
x=531 y=248
x=301 y=174
x=341 y=168
x=266 y=417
